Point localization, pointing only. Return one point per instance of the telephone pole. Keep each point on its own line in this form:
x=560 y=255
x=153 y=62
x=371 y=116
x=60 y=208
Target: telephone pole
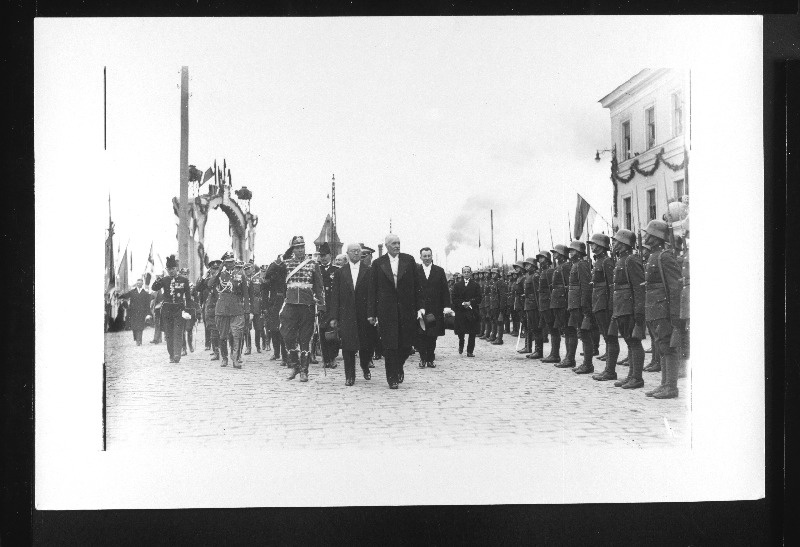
x=183 y=221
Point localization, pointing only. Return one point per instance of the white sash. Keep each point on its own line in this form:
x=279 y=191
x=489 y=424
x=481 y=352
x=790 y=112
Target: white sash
x=297 y=269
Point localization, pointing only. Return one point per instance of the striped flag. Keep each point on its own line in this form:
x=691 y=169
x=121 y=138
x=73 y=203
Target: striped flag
x=207 y=175
x=584 y=219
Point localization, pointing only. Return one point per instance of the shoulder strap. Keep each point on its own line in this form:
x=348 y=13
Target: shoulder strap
x=297 y=268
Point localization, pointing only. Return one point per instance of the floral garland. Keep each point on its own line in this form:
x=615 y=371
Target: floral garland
x=615 y=177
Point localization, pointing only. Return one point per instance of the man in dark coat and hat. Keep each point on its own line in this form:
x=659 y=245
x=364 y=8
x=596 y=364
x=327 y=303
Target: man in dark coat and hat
x=436 y=301
x=395 y=305
x=138 y=309
x=466 y=300
x=348 y=313
x=176 y=291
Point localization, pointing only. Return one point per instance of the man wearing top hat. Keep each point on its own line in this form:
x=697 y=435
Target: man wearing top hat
x=347 y=311
x=395 y=306
x=176 y=289
x=231 y=286
x=436 y=301
x=305 y=294
x=328 y=271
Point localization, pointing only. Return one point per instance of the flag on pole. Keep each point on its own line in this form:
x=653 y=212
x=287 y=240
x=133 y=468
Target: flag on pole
x=522 y=248
x=207 y=175
x=479 y=238
x=149 y=267
x=122 y=272
x=584 y=219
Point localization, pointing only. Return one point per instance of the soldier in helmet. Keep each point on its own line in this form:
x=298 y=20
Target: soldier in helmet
x=176 y=290
x=627 y=319
x=579 y=308
x=486 y=330
x=602 y=302
x=530 y=304
x=497 y=306
x=558 y=305
x=662 y=306
x=517 y=301
x=545 y=313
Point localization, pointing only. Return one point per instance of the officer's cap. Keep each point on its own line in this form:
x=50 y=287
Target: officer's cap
x=298 y=241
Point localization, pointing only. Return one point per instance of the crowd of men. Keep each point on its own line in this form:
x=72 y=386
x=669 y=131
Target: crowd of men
x=394 y=307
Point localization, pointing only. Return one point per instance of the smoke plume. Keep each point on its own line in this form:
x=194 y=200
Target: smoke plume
x=465 y=225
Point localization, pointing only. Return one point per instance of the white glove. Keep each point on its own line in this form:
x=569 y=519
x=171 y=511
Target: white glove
x=185 y=315
x=448 y=311
x=420 y=314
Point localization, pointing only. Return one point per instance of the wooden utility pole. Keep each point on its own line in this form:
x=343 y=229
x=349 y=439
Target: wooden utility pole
x=491 y=225
x=183 y=221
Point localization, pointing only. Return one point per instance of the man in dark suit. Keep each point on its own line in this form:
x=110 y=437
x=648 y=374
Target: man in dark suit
x=466 y=299
x=394 y=305
x=348 y=312
x=328 y=272
x=138 y=310
x=436 y=301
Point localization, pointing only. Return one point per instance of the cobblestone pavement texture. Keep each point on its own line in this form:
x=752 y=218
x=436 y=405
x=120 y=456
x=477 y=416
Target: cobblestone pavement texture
x=497 y=398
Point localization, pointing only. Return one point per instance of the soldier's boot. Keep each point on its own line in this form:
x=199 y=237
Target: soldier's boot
x=349 y=374
x=183 y=344
x=588 y=350
x=215 y=345
x=636 y=364
x=654 y=365
x=247 y=342
x=258 y=342
x=622 y=381
x=612 y=353
x=305 y=358
x=483 y=331
x=555 y=349
x=661 y=386
x=207 y=338
x=498 y=341
x=515 y=327
x=527 y=348
x=670 y=391
x=223 y=346
x=571 y=342
x=294 y=363
x=538 y=346
x=276 y=346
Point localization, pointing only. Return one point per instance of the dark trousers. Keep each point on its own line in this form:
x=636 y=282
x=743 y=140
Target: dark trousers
x=174 y=326
x=426 y=345
x=329 y=349
x=157 y=326
x=470 y=342
x=137 y=336
x=394 y=360
x=297 y=326
x=260 y=331
x=278 y=347
x=349 y=356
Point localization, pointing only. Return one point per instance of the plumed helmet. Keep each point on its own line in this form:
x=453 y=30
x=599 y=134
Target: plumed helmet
x=579 y=246
x=298 y=241
x=602 y=240
x=172 y=262
x=626 y=236
x=657 y=228
x=560 y=249
x=544 y=254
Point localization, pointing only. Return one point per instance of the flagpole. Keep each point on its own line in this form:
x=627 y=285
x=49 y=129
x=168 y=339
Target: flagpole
x=491 y=225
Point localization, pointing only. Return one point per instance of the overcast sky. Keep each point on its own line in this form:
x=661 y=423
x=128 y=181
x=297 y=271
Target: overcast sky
x=431 y=122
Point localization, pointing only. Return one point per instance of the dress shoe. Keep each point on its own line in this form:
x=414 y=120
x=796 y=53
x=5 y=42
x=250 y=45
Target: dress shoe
x=584 y=369
x=247 y=351
x=183 y=352
x=237 y=365
x=633 y=383
x=552 y=359
x=431 y=364
x=470 y=354
x=498 y=342
x=668 y=392
x=224 y=362
x=401 y=377
x=350 y=381
x=215 y=357
x=535 y=355
x=422 y=363
x=367 y=374
x=304 y=377
x=393 y=385
x=605 y=375
x=602 y=357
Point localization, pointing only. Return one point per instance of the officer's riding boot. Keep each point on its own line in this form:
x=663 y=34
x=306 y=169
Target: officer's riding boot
x=294 y=363
x=637 y=364
x=215 y=345
x=555 y=349
x=571 y=342
x=538 y=345
x=622 y=381
x=527 y=348
x=670 y=391
x=612 y=353
x=499 y=339
x=588 y=350
x=596 y=341
x=223 y=346
x=284 y=354
x=515 y=326
x=661 y=386
x=247 y=343
x=305 y=358
x=183 y=344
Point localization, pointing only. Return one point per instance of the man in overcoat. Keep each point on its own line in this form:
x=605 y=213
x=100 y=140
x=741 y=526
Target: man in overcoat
x=138 y=309
x=466 y=301
x=436 y=301
x=347 y=311
x=395 y=305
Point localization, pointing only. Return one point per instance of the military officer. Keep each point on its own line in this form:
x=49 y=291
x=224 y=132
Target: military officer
x=483 y=307
x=579 y=308
x=276 y=287
x=497 y=307
x=328 y=271
x=255 y=289
x=662 y=306
x=627 y=319
x=685 y=350
x=516 y=300
x=209 y=316
x=533 y=333
x=304 y=291
x=176 y=289
x=544 y=290
x=558 y=305
x=192 y=308
x=602 y=302
x=231 y=285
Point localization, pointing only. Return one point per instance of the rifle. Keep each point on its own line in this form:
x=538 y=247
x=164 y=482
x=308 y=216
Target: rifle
x=669 y=217
x=552 y=245
x=638 y=223
x=569 y=225
x=538 y=245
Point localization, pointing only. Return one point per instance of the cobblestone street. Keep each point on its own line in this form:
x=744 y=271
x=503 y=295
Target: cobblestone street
x=496 y=398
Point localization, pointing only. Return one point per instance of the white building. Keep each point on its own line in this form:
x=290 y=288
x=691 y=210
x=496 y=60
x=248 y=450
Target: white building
x=650 y=139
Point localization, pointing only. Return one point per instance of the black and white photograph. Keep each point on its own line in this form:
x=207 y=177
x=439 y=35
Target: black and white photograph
x=363 y=261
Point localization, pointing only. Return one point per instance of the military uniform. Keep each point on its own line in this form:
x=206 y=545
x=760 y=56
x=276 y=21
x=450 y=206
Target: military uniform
x=486 y=327
x=603 y=304
x=231 y=286
x=192 y=308
x=627 y=319
x=662 y=307
x=256 y=290
x=579 y=309
x=176 y=290
x=517 y=301
x=497 y=302
x=558 y=303
x=533 y=332
x=546 y=317
x=329 y=349
x=275 y=284
x=209 y=317
x=685 y=349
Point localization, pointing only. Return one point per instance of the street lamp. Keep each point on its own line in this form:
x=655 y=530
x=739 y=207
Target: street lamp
x=597 y=154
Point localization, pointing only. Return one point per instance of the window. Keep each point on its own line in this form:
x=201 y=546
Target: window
x=677 y=113
x=679 y=188
x=626 y=140
x=626 y=209
x=650 y=129
x=651 y=204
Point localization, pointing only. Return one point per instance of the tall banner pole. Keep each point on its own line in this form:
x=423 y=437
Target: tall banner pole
x=183 y=222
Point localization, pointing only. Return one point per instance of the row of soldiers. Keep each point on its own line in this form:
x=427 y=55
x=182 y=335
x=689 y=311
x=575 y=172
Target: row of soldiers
x=624 y=293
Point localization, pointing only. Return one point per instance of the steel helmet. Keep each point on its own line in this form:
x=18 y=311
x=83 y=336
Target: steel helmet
x=626 y=236
x=544 y=254
x=579 y=246
x=560 y=249
x=657 y=228
x=530 y=260
x=602 y=240
x=519 y=264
